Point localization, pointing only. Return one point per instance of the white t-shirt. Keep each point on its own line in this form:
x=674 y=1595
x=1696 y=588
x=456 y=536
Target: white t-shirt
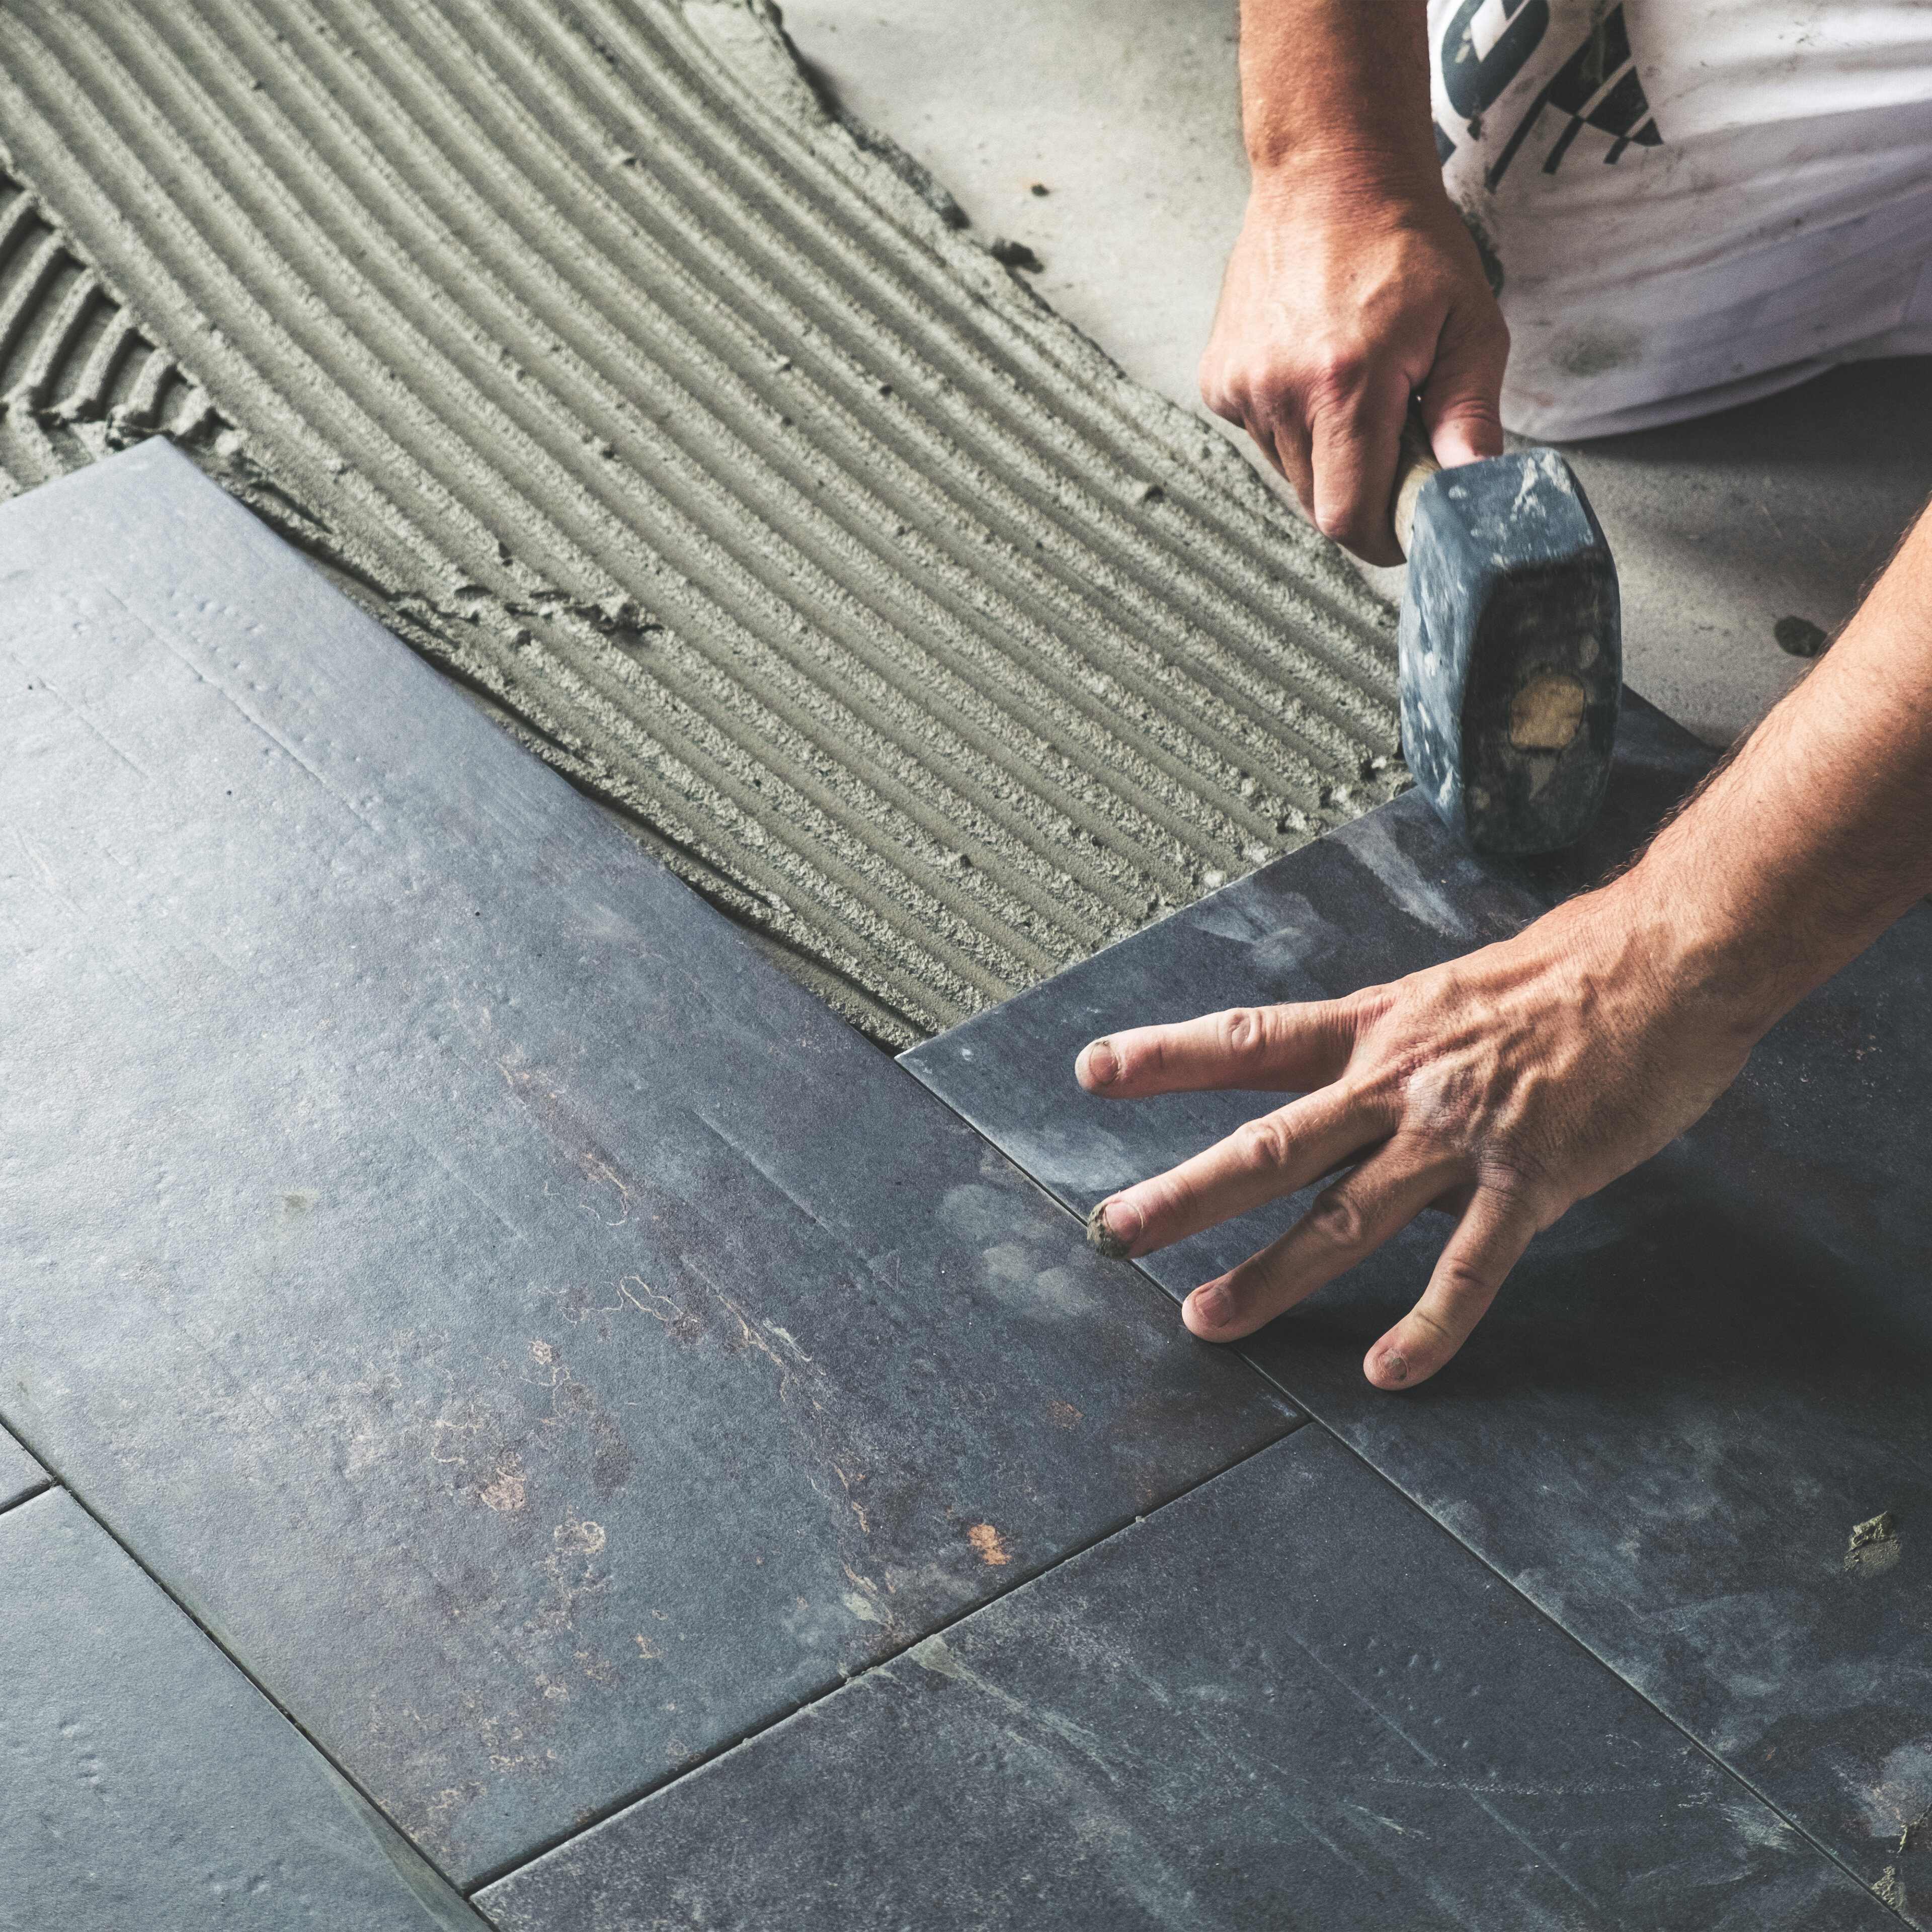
x=1691 y=203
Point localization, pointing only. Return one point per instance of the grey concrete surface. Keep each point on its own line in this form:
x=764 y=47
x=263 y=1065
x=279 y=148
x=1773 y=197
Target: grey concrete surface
x=1127 y=111
x=20 y=1475
x=1785 y=507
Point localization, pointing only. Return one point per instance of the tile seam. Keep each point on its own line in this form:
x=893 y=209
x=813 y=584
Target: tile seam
x=748 y=1737
x=57 y=1482
x=33 y=1495
x=1297 y=1421
x=1313 y=1418
x=1690 y=1737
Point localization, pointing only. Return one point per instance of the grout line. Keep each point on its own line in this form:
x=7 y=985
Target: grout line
x=1299 y=1419
x=1562 y=1630
x=1570 y=1637
x=1312 y=1419
x=301 y=1730
x=747 y=1738
x=28 y=1495
x=1305 y=1416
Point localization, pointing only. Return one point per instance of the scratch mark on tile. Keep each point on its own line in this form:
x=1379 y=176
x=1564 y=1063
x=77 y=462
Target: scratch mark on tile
x=758 y=1166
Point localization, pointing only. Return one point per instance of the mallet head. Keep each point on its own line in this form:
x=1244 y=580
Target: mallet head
x=1511 y=659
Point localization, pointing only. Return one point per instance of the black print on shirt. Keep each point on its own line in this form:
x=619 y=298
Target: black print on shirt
x=1597 y=87
x=1474 y=82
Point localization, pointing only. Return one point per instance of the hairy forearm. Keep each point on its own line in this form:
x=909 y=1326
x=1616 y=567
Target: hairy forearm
x=1818 y=834
x=1337 y=82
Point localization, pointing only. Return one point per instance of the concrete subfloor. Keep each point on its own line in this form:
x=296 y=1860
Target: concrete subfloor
x=1126 y=112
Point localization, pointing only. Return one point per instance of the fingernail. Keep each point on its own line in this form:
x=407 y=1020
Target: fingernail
x=1395 y=1366
x=1113 y=1227
x=1213 y=1305
x=1098 y=1063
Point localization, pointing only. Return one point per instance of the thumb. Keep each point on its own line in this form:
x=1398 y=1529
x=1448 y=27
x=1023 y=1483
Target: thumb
x=1462 y=400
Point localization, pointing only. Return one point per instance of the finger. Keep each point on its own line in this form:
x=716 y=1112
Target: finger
x=1219 y=395
x=1288 y=1049
x=1283 y=441
x=1488 y=1242
x=1354 y=456
x=1462 y=399
x=1346 y=1223
x=1260 y=1162
x=1287 y=446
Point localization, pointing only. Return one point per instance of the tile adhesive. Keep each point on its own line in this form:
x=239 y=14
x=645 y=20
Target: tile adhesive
x=686 y=424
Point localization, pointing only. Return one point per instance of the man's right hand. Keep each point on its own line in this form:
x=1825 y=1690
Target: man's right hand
x=1344 y=296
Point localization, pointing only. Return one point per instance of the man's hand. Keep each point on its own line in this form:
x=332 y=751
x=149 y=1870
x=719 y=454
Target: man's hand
x=1354 y=285
x=1346 y=294
x=1499 y=1088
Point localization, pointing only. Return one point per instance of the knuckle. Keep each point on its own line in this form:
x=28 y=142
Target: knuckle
x=1364 y=1007
x=1159 y=1201
x=1336 y=521
x=1149 y=1053
x=1223 y=397
x=1440 y=1339
x=1338 y=1218
x=1479 y=330
x=1264 y=1145
x=1283 y=421
x=1244 y=1032
x=1361 y=1097
x=1517 y=1179
x=1335 y=375
x=1464 y=1289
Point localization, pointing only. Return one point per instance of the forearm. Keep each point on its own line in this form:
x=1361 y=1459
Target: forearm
x=1819 y=834
x=1329 y=84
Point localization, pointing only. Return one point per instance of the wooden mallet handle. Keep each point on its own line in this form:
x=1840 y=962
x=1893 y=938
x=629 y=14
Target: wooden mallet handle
x=1415 y=463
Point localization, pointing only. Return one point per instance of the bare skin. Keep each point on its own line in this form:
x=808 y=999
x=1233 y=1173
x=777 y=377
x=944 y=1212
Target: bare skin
x=1502 y=1087
x=1354 y=285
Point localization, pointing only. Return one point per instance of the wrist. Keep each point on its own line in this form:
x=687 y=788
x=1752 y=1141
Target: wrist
x=1698 y=951
x=1352 y=179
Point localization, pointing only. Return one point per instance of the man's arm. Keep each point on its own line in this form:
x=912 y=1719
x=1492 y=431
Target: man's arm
x=1354 y=285
x=1505 y=1085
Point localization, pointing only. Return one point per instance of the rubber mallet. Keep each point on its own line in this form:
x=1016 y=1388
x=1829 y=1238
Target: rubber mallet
x=1511 y=646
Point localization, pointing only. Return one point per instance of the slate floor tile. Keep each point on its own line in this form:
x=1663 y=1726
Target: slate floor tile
x=542 y=1342
x=1286 y=1700
x=148 y=1783
x=1695 y=1385
x=20 y=1475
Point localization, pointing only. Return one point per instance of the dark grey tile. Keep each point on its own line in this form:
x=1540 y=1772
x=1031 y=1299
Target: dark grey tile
x=150 y=1784
x=1387 y=894
x=1695 y=1384
x=541 y=1340
x=20 y=1475
x=1288 y=1699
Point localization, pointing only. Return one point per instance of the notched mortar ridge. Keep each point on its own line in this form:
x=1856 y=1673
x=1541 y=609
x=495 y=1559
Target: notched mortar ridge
x=546 y=674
